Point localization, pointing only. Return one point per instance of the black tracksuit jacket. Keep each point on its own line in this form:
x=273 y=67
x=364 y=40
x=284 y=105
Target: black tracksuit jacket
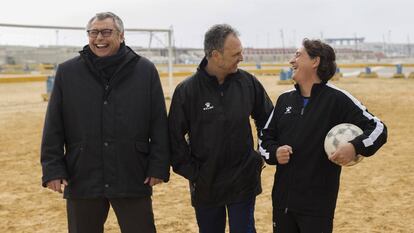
x=309 y=182
x=211 y=138
x=105 y=138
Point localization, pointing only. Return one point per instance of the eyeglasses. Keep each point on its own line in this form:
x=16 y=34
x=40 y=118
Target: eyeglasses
x=93 y=33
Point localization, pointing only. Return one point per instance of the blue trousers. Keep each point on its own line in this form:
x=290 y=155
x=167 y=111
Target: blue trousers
x=213 y=219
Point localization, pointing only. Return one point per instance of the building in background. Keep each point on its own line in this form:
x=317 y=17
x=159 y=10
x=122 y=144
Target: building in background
x=348 y=50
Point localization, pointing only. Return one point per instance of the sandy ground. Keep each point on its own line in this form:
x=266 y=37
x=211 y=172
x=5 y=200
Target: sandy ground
x=377 y=195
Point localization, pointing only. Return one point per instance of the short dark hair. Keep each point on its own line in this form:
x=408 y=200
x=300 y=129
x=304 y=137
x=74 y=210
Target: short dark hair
x=215 y=37
x=327 y=65
x=104 y=15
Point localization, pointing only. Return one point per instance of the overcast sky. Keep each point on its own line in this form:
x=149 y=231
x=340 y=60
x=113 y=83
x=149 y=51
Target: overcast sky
x=260 y=22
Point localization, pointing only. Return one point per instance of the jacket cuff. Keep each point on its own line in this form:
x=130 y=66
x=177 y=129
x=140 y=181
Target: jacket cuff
x=46 y=179
x=272 y=155
x=358 y=145
x=189 y=171
x=159 y=172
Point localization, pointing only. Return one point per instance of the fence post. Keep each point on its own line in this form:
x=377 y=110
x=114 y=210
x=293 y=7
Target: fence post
x=399 y=73
x=368 y=73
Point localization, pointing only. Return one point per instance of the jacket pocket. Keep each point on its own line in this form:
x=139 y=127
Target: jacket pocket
x=142 y=149
x=248 y=176
x=258 y=164
x=72 y=155
x=202 y=191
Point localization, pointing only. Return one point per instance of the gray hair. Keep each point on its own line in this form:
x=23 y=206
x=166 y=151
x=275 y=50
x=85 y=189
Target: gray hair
x=105 y=15
x=215 y=37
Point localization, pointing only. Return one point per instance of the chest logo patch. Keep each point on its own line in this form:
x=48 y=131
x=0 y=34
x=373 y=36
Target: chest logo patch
x=288 y=110
x=208 y=106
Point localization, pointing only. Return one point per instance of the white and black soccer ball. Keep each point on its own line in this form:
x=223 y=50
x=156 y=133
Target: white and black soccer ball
x=339 y=135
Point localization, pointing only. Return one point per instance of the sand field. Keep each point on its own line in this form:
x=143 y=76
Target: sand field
x=375 y=196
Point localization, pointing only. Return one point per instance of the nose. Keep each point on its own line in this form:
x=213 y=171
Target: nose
x=241 y=58
x=292 y=60
x=99 y=35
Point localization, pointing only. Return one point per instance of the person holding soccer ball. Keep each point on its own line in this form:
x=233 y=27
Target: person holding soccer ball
x=307 y=181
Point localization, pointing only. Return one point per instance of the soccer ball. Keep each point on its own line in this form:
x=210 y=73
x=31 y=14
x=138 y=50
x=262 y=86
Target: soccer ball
x=339 y=135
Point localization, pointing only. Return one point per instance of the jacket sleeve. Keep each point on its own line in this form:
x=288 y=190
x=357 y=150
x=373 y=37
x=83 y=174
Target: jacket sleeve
x=262 y=106
x=268 y=138
x=182 y=162
x=374 y=131
x=52 y=156
x=159 y=157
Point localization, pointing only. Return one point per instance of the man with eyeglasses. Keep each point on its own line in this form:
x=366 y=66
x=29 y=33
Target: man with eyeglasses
x=105 y=138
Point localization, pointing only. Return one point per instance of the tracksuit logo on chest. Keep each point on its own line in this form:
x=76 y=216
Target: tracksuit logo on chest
x=288 y=110
x=208 y=106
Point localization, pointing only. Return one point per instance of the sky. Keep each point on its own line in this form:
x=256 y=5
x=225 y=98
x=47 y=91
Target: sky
x=261 y=23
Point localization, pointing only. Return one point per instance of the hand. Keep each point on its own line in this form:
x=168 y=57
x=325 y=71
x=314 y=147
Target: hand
x=151 y=181
x=344 y=154
x=283 y=154
x=56 y=185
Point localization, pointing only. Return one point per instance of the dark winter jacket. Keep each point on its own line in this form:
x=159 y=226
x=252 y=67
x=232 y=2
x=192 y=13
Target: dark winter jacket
x=309 y=182
x=211 y=138
x=106 y=135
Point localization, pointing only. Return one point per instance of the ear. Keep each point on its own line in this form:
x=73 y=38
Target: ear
x=316 y=62
x=215 y=55
x=121 y=36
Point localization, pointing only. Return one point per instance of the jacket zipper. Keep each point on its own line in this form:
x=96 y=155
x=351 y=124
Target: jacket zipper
x=220 y=89
x=302 y=111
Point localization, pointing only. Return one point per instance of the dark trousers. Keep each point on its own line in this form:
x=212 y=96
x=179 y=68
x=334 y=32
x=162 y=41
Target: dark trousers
x=134 y=215
x=291 y=222
x=213 y=219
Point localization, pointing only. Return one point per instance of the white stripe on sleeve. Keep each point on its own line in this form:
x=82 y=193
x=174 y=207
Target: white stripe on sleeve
x=262 y=151
x=379 y=126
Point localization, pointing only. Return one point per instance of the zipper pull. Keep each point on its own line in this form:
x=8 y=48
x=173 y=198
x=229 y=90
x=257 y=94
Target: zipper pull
x=301 y=111
x=286 y=210
x=221 y=94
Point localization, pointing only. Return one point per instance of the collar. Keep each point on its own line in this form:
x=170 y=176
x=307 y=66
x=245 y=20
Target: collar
x=316 y=88
x=86 y=57
x=212 y=78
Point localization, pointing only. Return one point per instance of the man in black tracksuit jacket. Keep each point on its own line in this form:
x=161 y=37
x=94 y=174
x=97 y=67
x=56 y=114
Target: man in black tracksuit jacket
x=106 y=133
x=306 y=182
x=211 y=138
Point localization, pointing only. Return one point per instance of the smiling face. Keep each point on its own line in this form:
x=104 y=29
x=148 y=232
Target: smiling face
x=105 y=46
x=229 y=59
x=303 y=66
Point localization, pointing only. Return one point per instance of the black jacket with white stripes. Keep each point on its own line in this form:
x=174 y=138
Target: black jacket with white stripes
x=211 y=137
x=309 y=182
